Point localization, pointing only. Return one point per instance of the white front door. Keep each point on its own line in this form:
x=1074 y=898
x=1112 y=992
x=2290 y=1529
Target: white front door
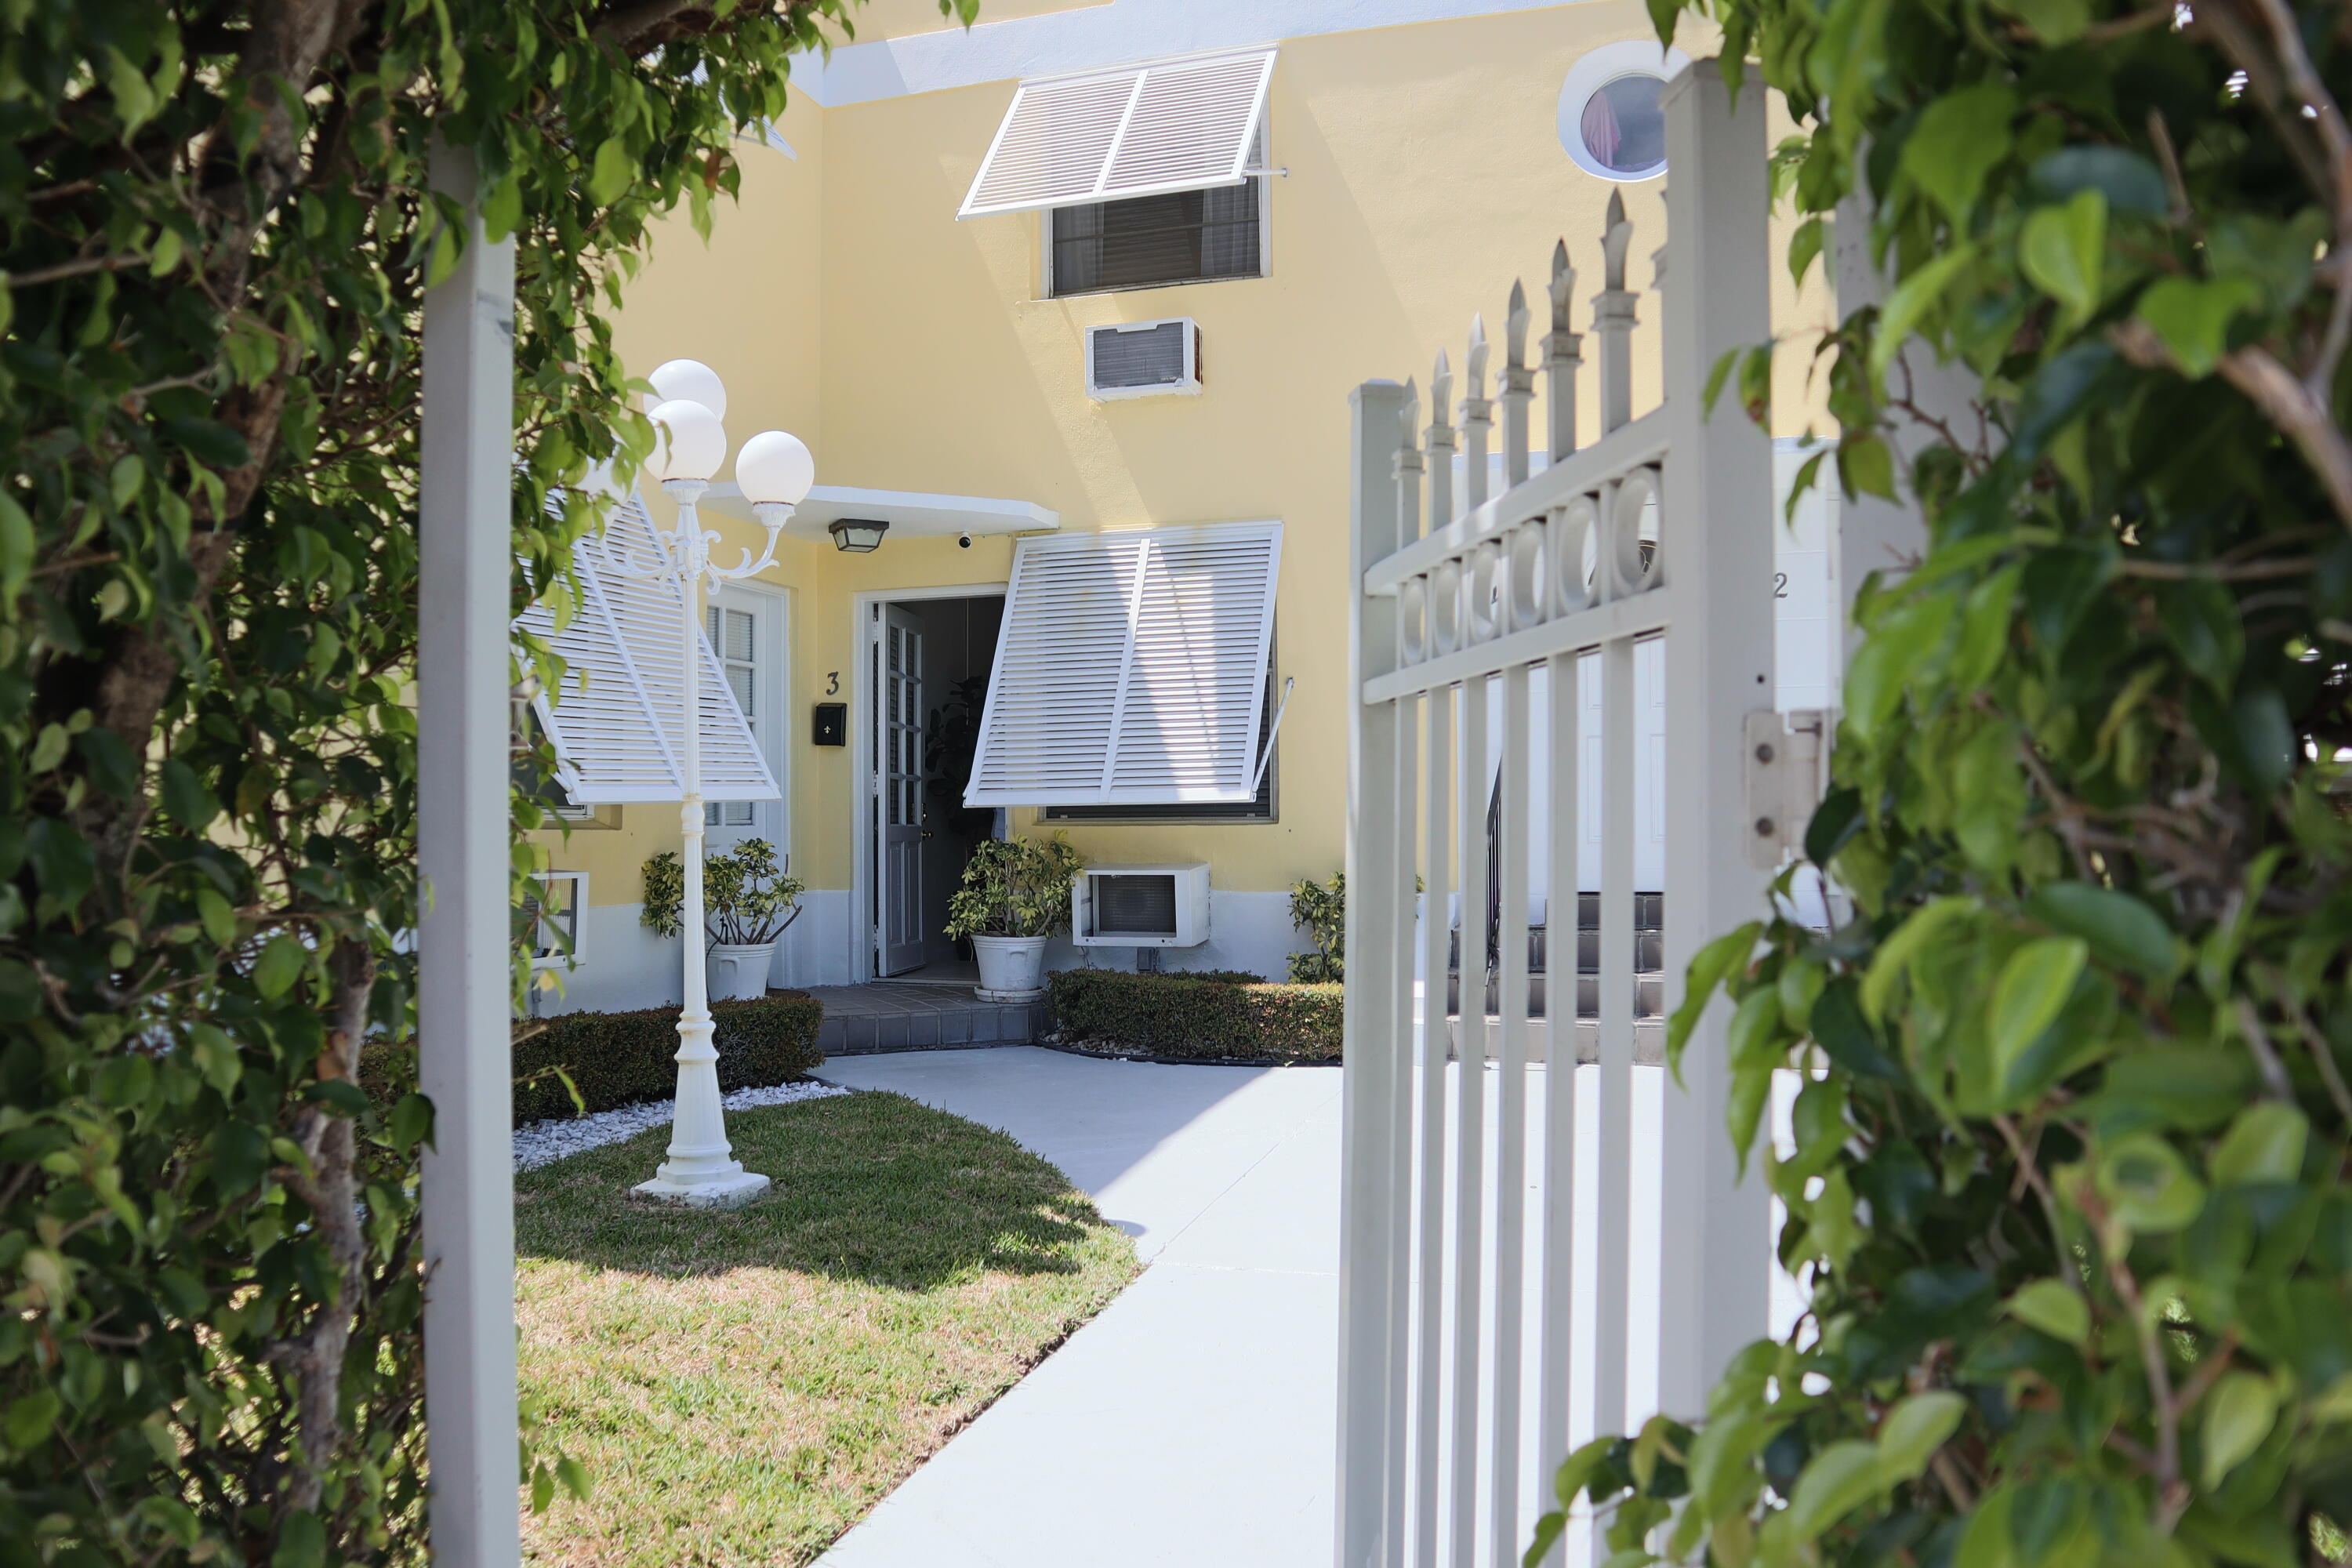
x=898 y=654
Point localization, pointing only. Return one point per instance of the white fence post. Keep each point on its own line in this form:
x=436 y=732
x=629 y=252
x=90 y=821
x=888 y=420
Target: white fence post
x=1718 y=552
x=465 y=1063
x=1375 y=1073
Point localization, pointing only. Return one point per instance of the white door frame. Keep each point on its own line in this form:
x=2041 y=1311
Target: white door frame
x=862 y=642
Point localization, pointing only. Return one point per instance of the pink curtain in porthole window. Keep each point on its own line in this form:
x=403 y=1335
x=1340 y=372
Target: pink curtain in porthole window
x=1599 y=129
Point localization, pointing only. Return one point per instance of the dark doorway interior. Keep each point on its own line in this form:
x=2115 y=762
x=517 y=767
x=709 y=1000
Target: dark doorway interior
x=954 y=647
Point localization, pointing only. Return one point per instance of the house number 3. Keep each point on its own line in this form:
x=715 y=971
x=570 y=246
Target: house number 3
x=832 y=682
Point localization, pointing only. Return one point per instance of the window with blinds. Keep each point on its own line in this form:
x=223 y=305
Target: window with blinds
x=1150 y=242
x=735 y=638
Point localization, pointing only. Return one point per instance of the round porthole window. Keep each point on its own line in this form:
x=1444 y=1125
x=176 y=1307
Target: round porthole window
x=1612 y=119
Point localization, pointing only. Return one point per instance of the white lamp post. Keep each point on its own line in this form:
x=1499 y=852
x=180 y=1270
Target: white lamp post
x=775 y=471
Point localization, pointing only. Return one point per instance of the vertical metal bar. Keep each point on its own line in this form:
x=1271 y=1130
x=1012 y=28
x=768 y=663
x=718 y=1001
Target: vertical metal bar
x=1511 y=1119
x=1403 y=934
x=1563 y=355
x=1375 y=1061
x=464 y=1008
x=1614 y=320
x=1714 y=1287
x=1470 y=1114
x=1429 y=1222
x=1613 y=1266
x=1559 y=1298
x=1519 y=388
x=1440 y=437
x=1477 y=421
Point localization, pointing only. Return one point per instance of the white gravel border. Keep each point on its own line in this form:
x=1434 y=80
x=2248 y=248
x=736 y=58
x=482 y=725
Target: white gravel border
x=544 y=1142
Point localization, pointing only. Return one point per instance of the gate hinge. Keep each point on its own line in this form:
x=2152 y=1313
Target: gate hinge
x=1785 y=760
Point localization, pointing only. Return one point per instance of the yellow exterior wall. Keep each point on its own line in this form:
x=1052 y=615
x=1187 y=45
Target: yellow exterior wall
x=841 y=300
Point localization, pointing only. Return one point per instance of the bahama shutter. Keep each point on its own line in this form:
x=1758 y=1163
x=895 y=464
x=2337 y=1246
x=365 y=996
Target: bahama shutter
x=1130 y=669
x=617 y=719
x=1182 y=124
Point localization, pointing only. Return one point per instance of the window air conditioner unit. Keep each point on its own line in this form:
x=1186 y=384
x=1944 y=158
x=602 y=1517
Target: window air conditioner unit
x=1140 y=906
x=1143 y=359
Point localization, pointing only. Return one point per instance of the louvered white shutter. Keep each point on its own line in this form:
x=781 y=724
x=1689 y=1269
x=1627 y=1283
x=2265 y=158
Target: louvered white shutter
x=618 y=721
x=1181 y=124
x=1130 y=669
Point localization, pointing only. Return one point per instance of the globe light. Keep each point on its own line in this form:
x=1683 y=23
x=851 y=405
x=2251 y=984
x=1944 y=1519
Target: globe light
x=688 y=441
x=775 y=465
x=692 y=380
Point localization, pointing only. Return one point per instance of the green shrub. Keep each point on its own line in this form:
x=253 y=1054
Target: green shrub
x=1214 y=1013
x=619 y=1059
x=1320 y=910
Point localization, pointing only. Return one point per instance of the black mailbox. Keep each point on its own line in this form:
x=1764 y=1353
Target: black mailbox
x=832 y=728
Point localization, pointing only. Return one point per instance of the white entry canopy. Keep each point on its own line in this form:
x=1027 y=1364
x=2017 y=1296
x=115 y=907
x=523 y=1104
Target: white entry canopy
x=1130 y=669
x=1181 y=124
x=618 y=721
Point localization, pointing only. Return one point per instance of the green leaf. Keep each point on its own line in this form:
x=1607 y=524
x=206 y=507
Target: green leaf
x=613 y=172
x=2027 y=998
x=1805 y=247
x=2057 y=21
x=1893 y=961
x=1914 y=1430
x=186 y=798
x=2129 y=182
x=1716 y=962
x=1960 y=138
x=2051 y=1306
x=2148 y=1186
x=1899 y=651
x=1910 y=301
x=302 y=1541
x=17 y=544
x=2264 y=1144
x=134 y=100
x=281 y=964
x=1841 y=1479
x=2063 y=250
x=411 y=1122
x=1575 y=1471
x=2193 y=315
x=2121 y=929
x=219 y=918
x=30 y=1418
x=2239 y=1413
x=1867 y=466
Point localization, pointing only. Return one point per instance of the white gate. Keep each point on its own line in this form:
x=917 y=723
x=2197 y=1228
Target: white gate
x=1493 y=1293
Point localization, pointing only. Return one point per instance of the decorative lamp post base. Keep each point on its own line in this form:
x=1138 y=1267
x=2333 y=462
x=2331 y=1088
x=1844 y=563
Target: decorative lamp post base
x=711 y=1192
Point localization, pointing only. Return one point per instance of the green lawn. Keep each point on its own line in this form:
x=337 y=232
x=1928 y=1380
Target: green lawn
x=743 y=1387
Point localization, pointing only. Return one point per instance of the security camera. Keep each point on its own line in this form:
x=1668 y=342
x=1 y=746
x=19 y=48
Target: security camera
x=963 y=542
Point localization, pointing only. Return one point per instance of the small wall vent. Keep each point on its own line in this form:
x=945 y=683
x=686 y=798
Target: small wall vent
x=1143 y=359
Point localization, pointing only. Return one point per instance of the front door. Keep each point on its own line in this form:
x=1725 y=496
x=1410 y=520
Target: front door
x=899 y=791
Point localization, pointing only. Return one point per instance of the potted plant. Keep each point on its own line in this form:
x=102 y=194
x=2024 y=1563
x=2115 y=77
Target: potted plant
x=1015 y=894
x=748 y=903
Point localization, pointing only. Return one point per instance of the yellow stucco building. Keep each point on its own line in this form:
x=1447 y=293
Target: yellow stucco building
x=1405 y=161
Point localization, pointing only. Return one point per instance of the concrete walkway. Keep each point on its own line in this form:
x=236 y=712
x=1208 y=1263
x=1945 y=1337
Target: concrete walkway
x=1191 y=1423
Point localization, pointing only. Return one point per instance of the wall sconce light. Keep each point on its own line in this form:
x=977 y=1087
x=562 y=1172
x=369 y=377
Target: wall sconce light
x=857 y=535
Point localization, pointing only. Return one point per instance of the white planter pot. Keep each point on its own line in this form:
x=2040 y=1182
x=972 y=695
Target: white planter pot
x=1012 y=968
x=739 y=973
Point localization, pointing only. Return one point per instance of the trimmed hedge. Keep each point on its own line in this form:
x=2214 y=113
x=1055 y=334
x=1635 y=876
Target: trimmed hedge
x=620 y=1059
x=1213 y=1014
